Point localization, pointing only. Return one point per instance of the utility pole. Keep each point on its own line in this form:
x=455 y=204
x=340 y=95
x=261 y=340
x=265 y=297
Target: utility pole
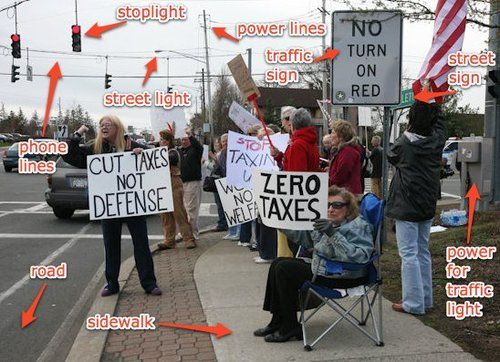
x=491 y=121
x=249 y=60
x=325 y=69
x=203 y=109
x=210 y=120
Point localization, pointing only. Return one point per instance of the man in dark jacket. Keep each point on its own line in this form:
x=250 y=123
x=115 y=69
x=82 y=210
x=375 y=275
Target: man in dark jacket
x=191 y=152
x=413 y=194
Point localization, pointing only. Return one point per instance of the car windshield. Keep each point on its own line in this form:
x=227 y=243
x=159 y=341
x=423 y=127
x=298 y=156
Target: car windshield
x=14 y=147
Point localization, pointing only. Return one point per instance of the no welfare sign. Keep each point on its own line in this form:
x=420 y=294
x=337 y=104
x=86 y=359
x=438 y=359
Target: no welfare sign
x=368 y=68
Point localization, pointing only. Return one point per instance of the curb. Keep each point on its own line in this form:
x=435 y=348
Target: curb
x=89 y=345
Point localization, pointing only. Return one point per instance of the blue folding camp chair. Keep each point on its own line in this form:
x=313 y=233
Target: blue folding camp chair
x=372 y=211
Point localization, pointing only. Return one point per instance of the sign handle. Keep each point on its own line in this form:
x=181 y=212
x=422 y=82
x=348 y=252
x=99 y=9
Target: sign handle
x=253 y=99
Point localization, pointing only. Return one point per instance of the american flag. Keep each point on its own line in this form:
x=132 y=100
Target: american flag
x=449 y=30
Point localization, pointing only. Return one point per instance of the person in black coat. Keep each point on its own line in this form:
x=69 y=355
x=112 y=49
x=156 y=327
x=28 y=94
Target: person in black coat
x=413 y=195
x=111 y=138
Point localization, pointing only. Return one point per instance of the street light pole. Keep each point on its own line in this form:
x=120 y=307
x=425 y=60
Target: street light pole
x=209 y=93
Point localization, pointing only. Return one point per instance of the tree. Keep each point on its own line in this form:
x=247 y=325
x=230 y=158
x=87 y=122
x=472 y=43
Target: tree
x=225 y=93
x=33 y=125
x=413 y=10
x=462 y=121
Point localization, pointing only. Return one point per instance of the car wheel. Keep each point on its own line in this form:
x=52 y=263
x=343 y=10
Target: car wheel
x=7 y=168
x=63 y=213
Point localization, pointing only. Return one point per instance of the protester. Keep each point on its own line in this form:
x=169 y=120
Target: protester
x=111 y=138
x=191 y=152
x=344 y=237
x=302 y=152
x=326 y=151
x=286 y=113
x=179 y=215
x=345 y=166
x=376 y=160
x=220 y=171
x=413 y=194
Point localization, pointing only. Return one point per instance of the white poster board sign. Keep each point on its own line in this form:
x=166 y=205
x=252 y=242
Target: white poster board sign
x=244 y=153
x=368 y=67
x=125 y=184
x=241 y=117
x=238 y=203
x=161 y=118
x=365 y=116
x=291 y=200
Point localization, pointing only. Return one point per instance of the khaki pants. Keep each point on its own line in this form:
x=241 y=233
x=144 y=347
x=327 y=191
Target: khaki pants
x=192 y=200
x=179 y=216
x=377 y=187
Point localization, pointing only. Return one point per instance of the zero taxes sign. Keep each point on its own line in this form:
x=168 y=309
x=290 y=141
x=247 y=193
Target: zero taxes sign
x=368 y=68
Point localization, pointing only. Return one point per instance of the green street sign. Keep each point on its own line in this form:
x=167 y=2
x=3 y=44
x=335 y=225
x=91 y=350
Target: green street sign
x=406 y=99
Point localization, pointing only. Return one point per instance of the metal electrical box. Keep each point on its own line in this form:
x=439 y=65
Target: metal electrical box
x=469 y=152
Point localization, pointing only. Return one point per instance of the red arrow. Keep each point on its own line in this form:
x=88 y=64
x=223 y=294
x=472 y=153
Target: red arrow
x=473 y=196
x=151 y=66
x=219 y=330
x=426 y=96
x=222 y=33
x=54 y=74
x=329 y=55
x=96 y=31
x=28 y=317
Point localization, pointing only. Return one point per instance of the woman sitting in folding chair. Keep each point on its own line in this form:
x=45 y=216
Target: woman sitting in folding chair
x=345 y=237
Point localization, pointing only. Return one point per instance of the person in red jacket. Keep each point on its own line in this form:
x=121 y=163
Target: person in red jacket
x=345 y=167
x=302 y=152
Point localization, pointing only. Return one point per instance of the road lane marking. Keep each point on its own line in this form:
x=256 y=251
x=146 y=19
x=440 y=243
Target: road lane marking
x=450 y=195
x=69 y=244
x=65 y=236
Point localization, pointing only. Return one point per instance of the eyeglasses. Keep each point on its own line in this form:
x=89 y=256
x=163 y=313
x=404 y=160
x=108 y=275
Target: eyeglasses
x=106 y=125
x=337 y=204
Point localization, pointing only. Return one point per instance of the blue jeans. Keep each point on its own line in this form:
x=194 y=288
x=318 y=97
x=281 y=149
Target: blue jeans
x=221 y=222
x=416 y=264
x=234 y=230
x=246 y=232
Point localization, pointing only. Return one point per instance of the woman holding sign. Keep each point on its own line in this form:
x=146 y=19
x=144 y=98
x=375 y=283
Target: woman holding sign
x=111 y=138
x=344 y=237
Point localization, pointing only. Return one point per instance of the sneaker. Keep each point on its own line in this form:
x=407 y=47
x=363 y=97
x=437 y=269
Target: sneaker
x=253 y=248
x=107 y=292
x=259 y=260
x=166 y=246
x=243 y=244
x=190 y=244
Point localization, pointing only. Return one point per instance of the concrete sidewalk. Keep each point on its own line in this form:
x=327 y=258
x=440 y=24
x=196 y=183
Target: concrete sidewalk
x=218 y=282
x=231 y=289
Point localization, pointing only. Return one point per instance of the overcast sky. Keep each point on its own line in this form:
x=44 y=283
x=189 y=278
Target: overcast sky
x=46 y=25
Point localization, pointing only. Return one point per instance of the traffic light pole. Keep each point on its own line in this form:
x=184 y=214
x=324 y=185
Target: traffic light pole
x=491 y=119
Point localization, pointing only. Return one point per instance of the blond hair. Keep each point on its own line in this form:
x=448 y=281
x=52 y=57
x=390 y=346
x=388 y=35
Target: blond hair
x=344 y=130
x=349 y=198
x=119 y=141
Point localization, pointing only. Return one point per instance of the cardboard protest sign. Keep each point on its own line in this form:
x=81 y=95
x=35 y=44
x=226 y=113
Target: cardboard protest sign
x=238 y=203
x=161 y=118
x=241 y=117
x=291 y=200
x=125 y=184
x=242 y=77
x=245 y=153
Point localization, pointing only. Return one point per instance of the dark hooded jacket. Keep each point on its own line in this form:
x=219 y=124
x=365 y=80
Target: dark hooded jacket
x=302 y=153
x=414 y=188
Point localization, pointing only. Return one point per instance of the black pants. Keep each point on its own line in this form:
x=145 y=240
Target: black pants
x=267 y=242
x=286 y=276
x=112 y=232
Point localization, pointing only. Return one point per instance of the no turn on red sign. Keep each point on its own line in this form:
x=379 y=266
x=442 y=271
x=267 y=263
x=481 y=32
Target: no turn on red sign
x=368 y=68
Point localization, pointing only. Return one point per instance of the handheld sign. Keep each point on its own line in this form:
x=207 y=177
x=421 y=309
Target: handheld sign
x=244 y=153
x=242 y=77
x=241 y=117
x=368 y=68
x=162 y=119
x=291 y=200
x=125 y=184
x=238 y=203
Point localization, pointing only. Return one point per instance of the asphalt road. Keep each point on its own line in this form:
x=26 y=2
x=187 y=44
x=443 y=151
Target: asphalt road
x=31 y=235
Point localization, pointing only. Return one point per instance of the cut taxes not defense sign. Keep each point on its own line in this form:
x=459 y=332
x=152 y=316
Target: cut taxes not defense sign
x=368 y=67
x=125 y=184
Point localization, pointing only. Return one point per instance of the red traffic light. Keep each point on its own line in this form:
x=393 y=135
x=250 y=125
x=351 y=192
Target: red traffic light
x=15 y=38
x=75 y=29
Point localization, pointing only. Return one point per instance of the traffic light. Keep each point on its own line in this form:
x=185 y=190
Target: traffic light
x=14 y=75
x=107 y=81
x=16 y=45
x=170 y=90
x=76 y=34
x=494 y=89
